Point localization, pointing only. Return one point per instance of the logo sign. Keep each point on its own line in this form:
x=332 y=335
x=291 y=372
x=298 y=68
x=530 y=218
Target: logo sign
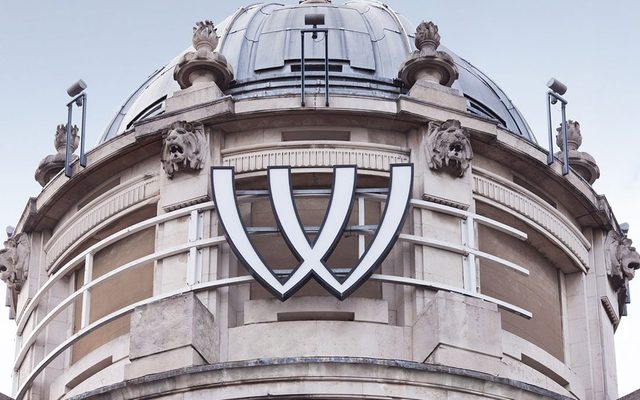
x=312 y=256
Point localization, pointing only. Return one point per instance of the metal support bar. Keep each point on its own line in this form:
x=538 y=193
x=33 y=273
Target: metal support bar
x=80 y=100
x=565 y=141
x=361 y=221
x=67 y=154
x=552 y=98
x=83 y=156
x=192 y=268
x=469 y=237
x=86 y=295
x=326 y=69
x=302 y=65
x=326 y=64
x=310 y=192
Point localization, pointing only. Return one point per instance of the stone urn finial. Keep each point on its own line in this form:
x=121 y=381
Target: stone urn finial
x=60 y=140
x=574 y=137
x=52 y=164
x=427 y=38
x=204 y=65
x=583 y=163
x=205 y=38
x=427 y=63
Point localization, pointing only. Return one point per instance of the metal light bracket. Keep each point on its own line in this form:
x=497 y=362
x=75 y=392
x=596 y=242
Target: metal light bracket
x=80 y=101
x=314 y=31
x=553 y=98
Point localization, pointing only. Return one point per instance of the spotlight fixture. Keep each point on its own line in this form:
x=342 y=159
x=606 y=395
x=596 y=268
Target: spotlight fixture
x=624 y=227
x=554 y=96
x=78 y=87
x=557 y=86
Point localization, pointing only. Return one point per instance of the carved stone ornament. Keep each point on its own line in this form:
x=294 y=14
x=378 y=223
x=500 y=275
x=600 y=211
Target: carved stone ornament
x=204 y=65
x=52 y=164
x=583 y=163
x=448 y=147
x=183 y=148
x=14 y=261
x=427 y=38
x=622 y=261
x=427 y=63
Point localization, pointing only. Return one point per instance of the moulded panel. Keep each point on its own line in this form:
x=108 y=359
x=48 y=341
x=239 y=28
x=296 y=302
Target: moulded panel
x=391 y=52
x=314 y=48
x=359 y=50
x=270 y=50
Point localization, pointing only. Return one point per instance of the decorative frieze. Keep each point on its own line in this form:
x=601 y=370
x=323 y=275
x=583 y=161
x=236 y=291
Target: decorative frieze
x=365 y=156
x=100 y=210
x=545 y=217
x=448 y=147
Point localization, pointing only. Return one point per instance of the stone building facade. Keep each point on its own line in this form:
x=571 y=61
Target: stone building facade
x=138 y=278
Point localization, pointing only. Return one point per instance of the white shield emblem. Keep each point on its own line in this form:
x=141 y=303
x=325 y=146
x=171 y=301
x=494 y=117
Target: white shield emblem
x=313 y=255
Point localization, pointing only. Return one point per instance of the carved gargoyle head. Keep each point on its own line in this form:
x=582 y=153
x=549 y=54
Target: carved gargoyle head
x=622 y=259
x=448 y=147
x=182 y=148
x=6 y=266
x=14 y=260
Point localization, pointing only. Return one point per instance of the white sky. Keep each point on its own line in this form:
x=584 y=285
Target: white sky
x=589 y=45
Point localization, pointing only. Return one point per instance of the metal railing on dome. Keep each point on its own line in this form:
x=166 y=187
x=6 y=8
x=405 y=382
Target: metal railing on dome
x=468 y=249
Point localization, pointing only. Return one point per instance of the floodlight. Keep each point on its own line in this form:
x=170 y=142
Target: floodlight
x=557 y=86
x=76 y=88
x=624 y=227
x=314 y=19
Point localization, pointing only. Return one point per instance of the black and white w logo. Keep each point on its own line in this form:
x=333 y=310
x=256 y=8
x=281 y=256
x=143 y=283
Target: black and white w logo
x=313 y=255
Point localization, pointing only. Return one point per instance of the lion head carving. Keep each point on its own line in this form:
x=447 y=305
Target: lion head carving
x=622 y=259
x=448 y=147
x=14 y=260
x=183 y=148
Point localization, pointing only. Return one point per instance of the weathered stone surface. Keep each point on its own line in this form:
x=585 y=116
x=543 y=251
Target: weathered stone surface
x=427 y=63
x=180 y=321
x=583 y=163
x=14 y=261
x=460 y=322
x=448 y=147
x=622 y=260
x=183 y=148
x=203 y=65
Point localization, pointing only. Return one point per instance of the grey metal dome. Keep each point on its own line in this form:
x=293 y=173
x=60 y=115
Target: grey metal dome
x=367 y=44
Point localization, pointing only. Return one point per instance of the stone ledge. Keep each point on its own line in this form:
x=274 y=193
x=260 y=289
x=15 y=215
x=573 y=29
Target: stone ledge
x=174 y=380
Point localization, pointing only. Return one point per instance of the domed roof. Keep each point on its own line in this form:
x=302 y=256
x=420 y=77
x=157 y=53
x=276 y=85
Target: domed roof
x=367 y=44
